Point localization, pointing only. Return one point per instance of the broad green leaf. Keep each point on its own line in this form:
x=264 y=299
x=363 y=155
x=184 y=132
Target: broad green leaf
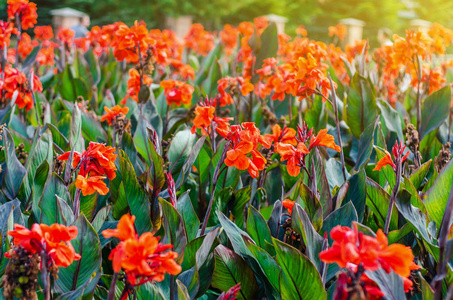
x=51 y=202
x=175 y=232
x=189 y=217
x=419 y=175
x=258 y=230
x=378 y=202
x=391 y=118
x=86 y=244
x=365 y=146
x=435 y=110
x=230 y=269
x=15 y=171
x=437 y=196
x=391 y=284
x=360 y=105
x=357 y=193
x=344 y=216
x=299 y=278
x=179 y=150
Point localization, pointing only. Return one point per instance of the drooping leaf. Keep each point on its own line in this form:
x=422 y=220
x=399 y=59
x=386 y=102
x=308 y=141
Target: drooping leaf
x=434 y=110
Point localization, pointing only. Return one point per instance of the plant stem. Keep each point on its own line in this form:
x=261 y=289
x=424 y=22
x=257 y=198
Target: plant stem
x=111 y=295
x=443 y=238
x=337 y=124
x=76 y=204
x=393 y=196
x=290 y=106
x=172 y=287
x=45 y=276
x=419 y=100
x=214 y=184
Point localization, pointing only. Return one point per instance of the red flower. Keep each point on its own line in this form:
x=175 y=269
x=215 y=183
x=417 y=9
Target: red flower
x=111 y=114
x=53 y=239
x=142 y=258
x=66 y=35
x=16 y=83
x=398 y=150
x=26 y=11
x=350 y=246
x=133 y=85
x=177 y=92
x=128 y=41
x=289 y=204
x=6 y=29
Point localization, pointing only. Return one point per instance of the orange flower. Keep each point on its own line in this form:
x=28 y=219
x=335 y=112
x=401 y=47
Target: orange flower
x=301 y=31
x=324 y=139
x=113 y=113
x=17 y=83
x=97 y=160
x=53 y=239
x=289 y=204
x=285 y=136
x=294 y=155
x=66 y=35
x=127 y=42
x=177 y=92
x=229 y=86
x=350 y=246
x=338 y=30
x=43 y=33
x=142 y=258
x=229 y=36
x=6 y=29
x=237 y=156
x=91 y=185
x=26 y=11
x=25 y=45
x=133 y=85
x=203 y=118
x=57 y=239
x=46 y=57
x=125 y=229
x=398 y=151
x=199 y=40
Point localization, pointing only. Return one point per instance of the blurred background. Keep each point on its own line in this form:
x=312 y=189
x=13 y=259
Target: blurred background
x=315 y=15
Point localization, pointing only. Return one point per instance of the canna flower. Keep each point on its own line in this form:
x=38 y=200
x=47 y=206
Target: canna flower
x=285 y=136
x=97 y=160
x=92 y=184
x=229 y=36
x=397 y=150
x=205 y=118
x=230 y=86
x=53 y=239
x=133 y=85
x=350 y=246
x=111 y=114
x=324 y=139
x=128 y=42
x=142 y=258
x=244 y=141
x=25 y=11
x=338 y=30
x=16 y=83
x=6 y=29
x=295 y=154
x=66 y=35
x=43 y=33
x=199 y=40
x=25 y=45
x=46 y=57
x=301 y=31
x=289 y=204
x=177 y=92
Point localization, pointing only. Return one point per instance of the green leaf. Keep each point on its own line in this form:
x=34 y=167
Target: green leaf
x=269 y=46
x=418 y=176
x=94 y=66
x=188 y=164
x=437 y=196
x=182 y=292
x=391 y=118
x=301 y=224
x=15 y=171
x=378 y=201
x=240 y=198
x=299 y=278
x=343 y=216
x=357 y=193
x=360 y=105
x=179 y=150
x=235 y=235
x=189 y=217
x=70 y=87
x=31 y=58
x=435 y=110
x=86 y=244
x=210 y=83
x=230 y=269
x=175 y=233
x=365 y=146
x=135 y=195
x=258 y=230
x=391 y=284
x=311 y=205
x=52 y=202
x=42 y=150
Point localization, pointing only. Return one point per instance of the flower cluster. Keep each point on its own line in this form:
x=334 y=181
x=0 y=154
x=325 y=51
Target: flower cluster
x=398 y=155
x=141 y=257
x=370 y=253
x=177 y=92
x=231 y=86
x=293 y=148
x=244 y=140
x=54 y=240
x=98 y=160
x=16 y=85
x=205 y=118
